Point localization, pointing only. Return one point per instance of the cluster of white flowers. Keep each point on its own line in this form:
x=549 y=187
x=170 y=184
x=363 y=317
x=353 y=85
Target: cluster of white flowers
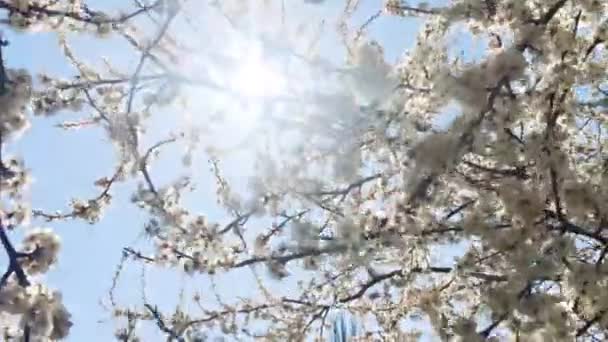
x=40 y=310
x=305 y=234
x=593 y=6
x=509 y=64
x=90 y=210
x=13 y=101
x=521 y=203
x=580 y=199
x=21 y=5
x=467 y=10
x=371 y=78
x=350 y=233
x=193 y=243
x=468 y=87
x=122 y=130
x=436 y=151
x=466 y=330
x=14 y=177
x=46 y=316
x=347 y=164
x=52 y=101
x=277 y=270
x=546 y=311
x=42 y=248
x=50 y=17
x=13 y=298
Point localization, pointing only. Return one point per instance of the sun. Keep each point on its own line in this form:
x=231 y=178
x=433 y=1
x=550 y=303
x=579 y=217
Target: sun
x=258 y=78
x=246 y=84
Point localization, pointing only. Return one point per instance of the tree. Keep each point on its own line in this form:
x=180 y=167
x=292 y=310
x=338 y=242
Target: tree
x=467 y=191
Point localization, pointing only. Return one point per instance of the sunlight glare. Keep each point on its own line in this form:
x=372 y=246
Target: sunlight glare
x=258 y=79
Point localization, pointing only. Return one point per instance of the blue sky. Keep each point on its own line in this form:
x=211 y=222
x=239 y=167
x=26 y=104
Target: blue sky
x=64 y=164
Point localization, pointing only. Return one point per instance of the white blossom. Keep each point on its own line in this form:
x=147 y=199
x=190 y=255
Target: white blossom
x=370 y=78
x=42 y=246
x=13 y=100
